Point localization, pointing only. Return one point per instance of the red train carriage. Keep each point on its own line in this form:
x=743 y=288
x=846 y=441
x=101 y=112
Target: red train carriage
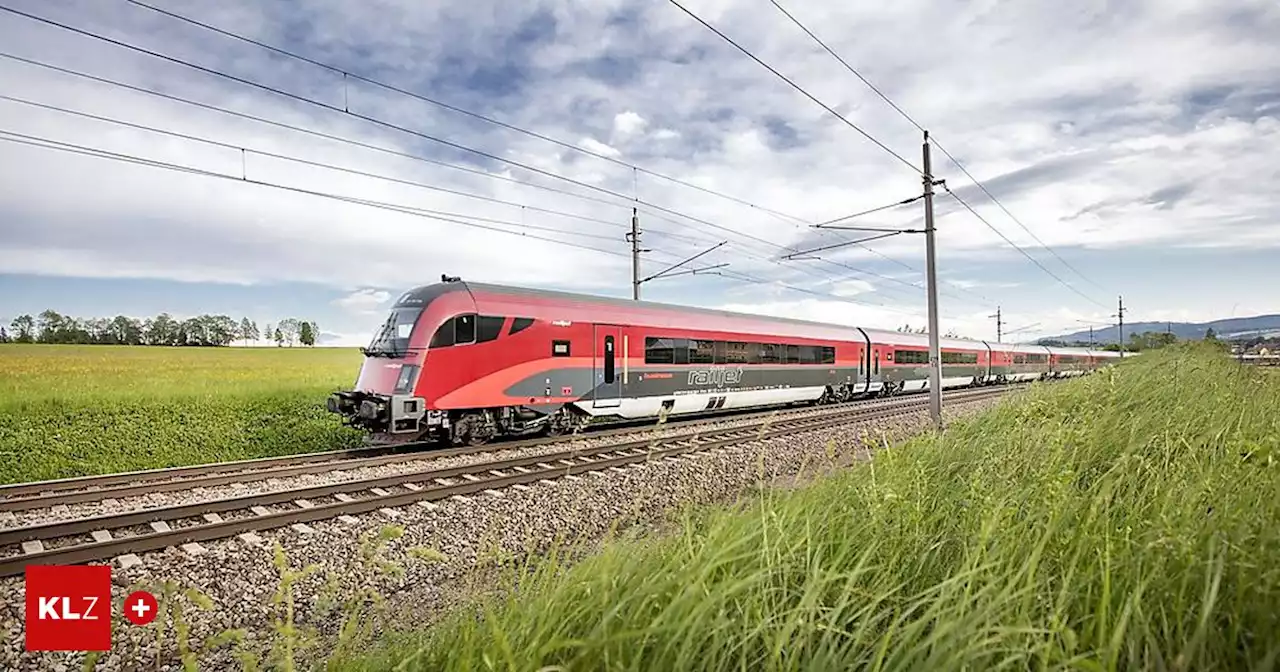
x=468 y=362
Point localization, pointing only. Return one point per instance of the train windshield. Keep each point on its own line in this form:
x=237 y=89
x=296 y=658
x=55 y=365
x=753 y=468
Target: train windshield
x=392 y=338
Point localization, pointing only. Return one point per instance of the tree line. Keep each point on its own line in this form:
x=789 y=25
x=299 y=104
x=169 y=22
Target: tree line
x=163 y=329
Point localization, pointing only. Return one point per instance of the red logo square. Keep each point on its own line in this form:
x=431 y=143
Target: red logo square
x=68 y=608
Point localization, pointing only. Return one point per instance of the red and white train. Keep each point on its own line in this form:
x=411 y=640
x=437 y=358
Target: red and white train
x=468 y=362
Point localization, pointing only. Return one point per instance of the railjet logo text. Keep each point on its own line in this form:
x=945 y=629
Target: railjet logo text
x=68 y=608
x=716 y=377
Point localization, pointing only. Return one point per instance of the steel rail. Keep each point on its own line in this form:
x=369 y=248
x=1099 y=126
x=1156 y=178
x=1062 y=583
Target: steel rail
x=482 y=476
x=43 y=494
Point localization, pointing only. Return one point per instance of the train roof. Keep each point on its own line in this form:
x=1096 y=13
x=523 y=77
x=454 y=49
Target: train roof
x=422 y=295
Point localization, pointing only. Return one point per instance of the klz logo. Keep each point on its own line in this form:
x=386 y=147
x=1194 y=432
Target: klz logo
x=68 y=608
x=717 y=377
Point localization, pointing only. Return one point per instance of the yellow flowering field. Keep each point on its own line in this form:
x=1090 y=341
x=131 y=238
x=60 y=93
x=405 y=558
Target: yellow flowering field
x=72 y=410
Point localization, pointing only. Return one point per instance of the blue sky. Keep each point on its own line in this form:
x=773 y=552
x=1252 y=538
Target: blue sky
x=1137 y=140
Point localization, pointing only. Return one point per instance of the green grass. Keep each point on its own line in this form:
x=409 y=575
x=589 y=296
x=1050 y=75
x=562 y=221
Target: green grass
x=1125 y=520
x=77 y=410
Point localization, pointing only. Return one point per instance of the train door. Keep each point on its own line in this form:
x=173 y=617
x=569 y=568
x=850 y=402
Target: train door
x=607 y=366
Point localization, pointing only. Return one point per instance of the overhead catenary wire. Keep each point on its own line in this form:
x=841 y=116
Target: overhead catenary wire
x=454 y=108
x=392 y=126
x=933 y=140
x=797 y=87
x=1019 y=249
x=85 y=150
x=329 y=136
x=348 y=74
x=379 y=122
x=329 y=166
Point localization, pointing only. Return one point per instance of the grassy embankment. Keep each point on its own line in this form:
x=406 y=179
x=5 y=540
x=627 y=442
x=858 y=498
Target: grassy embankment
x=1127 y=520
x=76 y=410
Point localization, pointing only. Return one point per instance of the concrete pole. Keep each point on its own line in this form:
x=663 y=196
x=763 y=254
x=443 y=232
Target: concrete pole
x=931 y=270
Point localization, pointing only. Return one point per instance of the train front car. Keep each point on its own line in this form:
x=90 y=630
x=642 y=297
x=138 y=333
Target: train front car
x=390 y=400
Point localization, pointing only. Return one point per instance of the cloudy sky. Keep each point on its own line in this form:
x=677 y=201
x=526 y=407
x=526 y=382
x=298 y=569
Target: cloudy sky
x=1137 y=140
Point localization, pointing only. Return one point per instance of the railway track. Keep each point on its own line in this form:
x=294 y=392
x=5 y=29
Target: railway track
x=104 y=537
x=47 y=494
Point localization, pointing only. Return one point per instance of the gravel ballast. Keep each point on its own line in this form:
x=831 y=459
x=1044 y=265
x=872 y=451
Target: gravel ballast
x=448 y=550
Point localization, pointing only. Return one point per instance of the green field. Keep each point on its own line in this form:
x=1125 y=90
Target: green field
x=69 y=410
x=1125 y=520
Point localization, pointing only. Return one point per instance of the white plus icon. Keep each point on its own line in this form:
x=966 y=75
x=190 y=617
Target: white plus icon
x=140 y=608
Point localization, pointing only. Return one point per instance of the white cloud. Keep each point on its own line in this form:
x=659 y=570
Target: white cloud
x=363 y=301
x=593 y=145
x=628 y=123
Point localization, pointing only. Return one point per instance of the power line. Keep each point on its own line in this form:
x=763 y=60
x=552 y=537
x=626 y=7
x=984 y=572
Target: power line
x=937 y=144
x=376 y=121
x=379 y=122
x=1019 y=249
x=797 y=87
x=84 y=150
x=453 y=108
x=338 y=138
x=328 y=166
x=350 y=75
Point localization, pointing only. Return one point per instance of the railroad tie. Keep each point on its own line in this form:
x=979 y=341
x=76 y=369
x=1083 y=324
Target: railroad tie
x=160 y=526
x=379 y=492
x=34 y=546
x=350 y=520
x=344 y=497
x=250 y=538
x=212 y=518
x=100 y=536
x=128 y=560
x=412 y=486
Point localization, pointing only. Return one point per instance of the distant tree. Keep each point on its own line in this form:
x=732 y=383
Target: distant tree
x=246 y=330
x=253 y=331
x=305 y=334
x=4 y=335
x=279 y=337
x=24 y=328
x=1210 y=334
x=269 y=332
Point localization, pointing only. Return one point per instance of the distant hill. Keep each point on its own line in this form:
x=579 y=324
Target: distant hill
x=1267 y=326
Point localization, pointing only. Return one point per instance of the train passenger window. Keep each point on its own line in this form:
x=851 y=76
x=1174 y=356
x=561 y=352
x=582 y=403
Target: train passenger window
x=464 y=329
x=719 y=352
x=828 y=355
x=680 y=350
x=793 y=354
x=702 y=352
x=770 y=353
x=520 y=324
x=808 y=354
x=488 y=328
x=658 y=351
x=608 y=360
x=736 y=352
x=559 y=348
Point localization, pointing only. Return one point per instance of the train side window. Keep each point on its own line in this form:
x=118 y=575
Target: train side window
x=458 y=331
x=770 y=353
x=875 y=359
x=808 y=354
x=828 y=355
x=488 y=328
x=719 y=352
x=657 y=351
x=702 y=352
x=753 y=352
x=608 y=360
x=793 y=354
x=520 y=324
x=559 y=348
x=680 y=350
x=737 y=353
x=464 y=329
